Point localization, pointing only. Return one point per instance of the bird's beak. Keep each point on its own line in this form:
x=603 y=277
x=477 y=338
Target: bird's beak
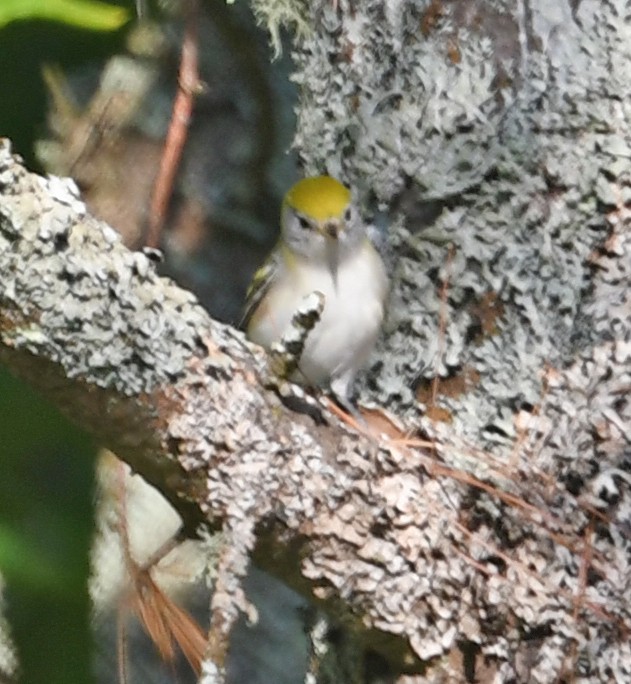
x=331 y=230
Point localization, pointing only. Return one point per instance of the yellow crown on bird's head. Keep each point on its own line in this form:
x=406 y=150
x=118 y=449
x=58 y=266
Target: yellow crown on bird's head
x=319 y=197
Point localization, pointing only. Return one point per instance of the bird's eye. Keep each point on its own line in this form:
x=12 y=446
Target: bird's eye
x=303 y=223
x=347 y=214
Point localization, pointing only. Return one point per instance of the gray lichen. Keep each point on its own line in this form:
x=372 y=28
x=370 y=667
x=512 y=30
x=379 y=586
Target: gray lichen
x=70 y=266
x=488 y=135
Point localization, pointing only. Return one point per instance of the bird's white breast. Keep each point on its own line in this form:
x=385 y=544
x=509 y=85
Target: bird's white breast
x=340 y=343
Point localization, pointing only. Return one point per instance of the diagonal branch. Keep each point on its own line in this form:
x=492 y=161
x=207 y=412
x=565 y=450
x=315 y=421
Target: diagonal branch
x=418 y=557
x=135 y=360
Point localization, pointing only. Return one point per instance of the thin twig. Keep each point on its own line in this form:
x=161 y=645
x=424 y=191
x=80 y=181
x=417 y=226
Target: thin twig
x=188 y=86
x=597 y=609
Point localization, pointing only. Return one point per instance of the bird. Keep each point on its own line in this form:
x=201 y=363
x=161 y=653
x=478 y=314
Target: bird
x=323 y=247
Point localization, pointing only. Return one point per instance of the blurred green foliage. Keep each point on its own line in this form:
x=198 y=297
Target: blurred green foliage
x=46 y=524
x=25 y=46
x=85 y=14
x=46 y=465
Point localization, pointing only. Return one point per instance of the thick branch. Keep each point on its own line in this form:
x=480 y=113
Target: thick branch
x=136 y=361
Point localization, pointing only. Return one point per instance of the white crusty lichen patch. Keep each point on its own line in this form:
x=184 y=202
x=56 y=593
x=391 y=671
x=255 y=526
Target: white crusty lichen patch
x=110 y=295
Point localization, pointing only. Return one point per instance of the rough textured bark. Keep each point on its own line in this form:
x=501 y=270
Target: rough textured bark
x=501 y=133
x=135 y=360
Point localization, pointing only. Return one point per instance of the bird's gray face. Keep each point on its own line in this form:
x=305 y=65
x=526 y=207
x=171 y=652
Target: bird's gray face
x=327 y=241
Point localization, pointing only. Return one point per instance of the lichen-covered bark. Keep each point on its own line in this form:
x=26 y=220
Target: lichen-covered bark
x=136 y=361
x=497 y=127
x=501 y=132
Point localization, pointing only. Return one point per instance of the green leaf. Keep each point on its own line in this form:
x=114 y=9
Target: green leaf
x=21 y=562
x=86 y=14
x=46 y=526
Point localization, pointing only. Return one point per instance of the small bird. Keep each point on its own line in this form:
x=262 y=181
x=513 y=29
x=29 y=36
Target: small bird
x=323 y=247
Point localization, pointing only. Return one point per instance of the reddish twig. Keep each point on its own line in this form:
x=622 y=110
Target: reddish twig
x=188 y=86
x=595 y=608
x=586 y=563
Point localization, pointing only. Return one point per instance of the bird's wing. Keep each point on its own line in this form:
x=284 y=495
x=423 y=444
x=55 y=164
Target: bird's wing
x=260 y=285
